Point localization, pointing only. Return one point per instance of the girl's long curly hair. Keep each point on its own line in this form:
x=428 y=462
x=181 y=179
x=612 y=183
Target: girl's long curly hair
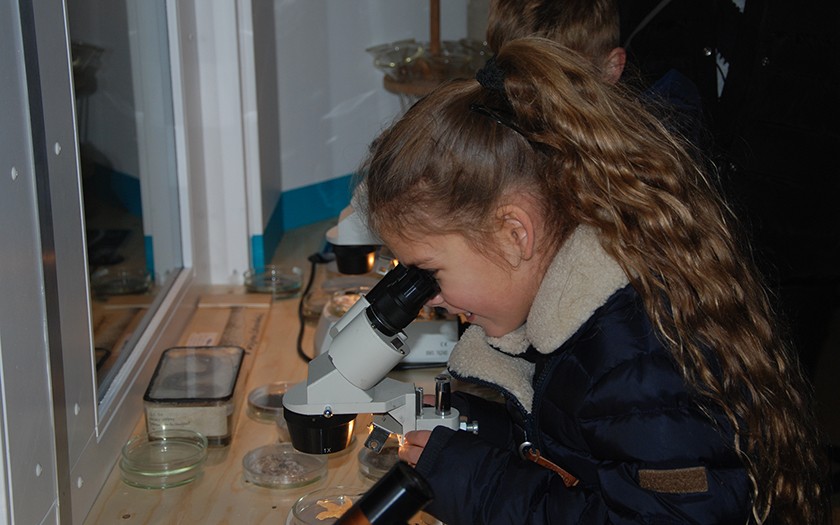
x=590 y=153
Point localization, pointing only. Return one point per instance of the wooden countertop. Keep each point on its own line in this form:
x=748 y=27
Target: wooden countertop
x=268 y=331
x=221 y=494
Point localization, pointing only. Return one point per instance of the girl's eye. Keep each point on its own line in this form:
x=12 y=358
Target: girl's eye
x=433 y=273
x=430 y=271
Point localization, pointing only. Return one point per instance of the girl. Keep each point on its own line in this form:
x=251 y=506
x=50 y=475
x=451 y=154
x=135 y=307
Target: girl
x=609 y=302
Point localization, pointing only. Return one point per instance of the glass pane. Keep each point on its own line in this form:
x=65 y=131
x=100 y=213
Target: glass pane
x=127 y=155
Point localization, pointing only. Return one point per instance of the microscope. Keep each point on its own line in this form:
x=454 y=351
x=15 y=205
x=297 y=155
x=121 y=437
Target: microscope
x=368 y=341
x=358 y=251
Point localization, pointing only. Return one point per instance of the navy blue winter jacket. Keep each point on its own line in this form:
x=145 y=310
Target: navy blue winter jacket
x=590 y=386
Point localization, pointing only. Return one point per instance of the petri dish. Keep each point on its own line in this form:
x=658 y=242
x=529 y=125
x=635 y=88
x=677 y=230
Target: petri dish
x=313 y=304
x=348 y=281
x=265 y=403
x=374 y=465
x=343 y=300
x=324 y=506
x=121 y=282
x=282 y=282
x=280 y=466
x=314 y=301
x=163 y=458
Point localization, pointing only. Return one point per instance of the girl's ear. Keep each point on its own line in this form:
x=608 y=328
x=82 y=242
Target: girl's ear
x=614 y=64
x=517 y=233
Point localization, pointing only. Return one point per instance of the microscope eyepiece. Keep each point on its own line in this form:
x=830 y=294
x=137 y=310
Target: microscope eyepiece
x=397 y=300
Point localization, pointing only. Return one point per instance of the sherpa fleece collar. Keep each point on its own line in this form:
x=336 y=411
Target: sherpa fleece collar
x=579 y=280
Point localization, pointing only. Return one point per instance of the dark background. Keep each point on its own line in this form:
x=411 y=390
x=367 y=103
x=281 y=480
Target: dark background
x=772 y=132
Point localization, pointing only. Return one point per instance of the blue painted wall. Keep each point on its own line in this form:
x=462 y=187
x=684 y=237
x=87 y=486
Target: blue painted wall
x=300 y=207
x=296 y=208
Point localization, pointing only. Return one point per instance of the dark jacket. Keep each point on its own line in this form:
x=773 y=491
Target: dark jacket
x=588 y=384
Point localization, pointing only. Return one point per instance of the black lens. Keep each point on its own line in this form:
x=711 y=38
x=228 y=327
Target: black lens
x=395 y=498
x=316 y=434
x=395 y=302
x=354 y=260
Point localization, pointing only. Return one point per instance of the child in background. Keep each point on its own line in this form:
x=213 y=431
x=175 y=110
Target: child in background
x=610 y=303
x=590 y=27
x=593 y=29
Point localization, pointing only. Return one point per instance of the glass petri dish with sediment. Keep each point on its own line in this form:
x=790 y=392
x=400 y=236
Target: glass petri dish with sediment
x=280 y=466
x=324 y=506
x=374 y=465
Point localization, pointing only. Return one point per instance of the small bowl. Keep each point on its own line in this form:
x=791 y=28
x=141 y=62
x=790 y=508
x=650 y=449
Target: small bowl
x=163 y=458
x=343 y=300
x=374 y=465
x=324 y=506
x=282 y=282
x=121 y=282
x=313 y=304
x=315 y=301
x=265 y=403
x=280 y=466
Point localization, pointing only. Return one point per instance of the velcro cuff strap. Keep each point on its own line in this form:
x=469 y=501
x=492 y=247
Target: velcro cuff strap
x=674 y=481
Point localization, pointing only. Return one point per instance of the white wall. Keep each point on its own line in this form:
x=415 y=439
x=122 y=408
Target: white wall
x=332 y=102
x=260 y=108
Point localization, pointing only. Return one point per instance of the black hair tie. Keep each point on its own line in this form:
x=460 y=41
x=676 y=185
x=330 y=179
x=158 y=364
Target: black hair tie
x=491 y=77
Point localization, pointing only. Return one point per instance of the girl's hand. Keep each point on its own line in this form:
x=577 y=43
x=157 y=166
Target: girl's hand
x=413 y=446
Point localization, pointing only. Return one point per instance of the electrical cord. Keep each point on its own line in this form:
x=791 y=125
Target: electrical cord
x=314 y=260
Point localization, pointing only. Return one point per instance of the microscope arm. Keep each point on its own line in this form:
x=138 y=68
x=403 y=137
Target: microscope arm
x=396 y=406
x=350 y=378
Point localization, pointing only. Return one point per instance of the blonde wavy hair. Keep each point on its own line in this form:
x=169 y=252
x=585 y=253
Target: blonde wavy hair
x=590 y=153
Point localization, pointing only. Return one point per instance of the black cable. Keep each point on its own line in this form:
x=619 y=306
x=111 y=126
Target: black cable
x=314 y=260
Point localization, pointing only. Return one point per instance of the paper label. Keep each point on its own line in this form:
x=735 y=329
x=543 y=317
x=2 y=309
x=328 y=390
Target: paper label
x=211 y=421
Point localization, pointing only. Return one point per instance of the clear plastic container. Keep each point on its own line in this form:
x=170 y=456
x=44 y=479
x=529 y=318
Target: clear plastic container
x=194 y=388
x=280 y=466
x=163 y=458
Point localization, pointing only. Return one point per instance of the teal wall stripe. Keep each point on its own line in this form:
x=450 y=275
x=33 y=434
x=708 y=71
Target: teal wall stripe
x=103 y=183
x=300 y=207
x=127 y=191
x=258 y=260
x=150 y=254
x=263 y=246
x=296 y=208
x=316 y=202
